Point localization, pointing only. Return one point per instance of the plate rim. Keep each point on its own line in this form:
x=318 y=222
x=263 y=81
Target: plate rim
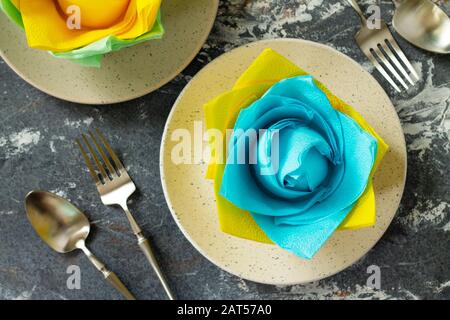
x=164 y=185
x=166 y=80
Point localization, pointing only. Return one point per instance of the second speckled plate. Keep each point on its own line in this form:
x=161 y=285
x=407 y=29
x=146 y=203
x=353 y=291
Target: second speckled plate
x=191 y=197
x=124 y=75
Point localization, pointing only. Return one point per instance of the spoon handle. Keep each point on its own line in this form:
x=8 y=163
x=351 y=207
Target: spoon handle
x=110 y=276
x=114 y=280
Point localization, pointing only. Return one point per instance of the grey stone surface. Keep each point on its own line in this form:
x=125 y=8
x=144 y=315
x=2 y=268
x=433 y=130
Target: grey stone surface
x=37 y=152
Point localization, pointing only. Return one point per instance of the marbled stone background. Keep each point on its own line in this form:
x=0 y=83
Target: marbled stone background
x=37 y=152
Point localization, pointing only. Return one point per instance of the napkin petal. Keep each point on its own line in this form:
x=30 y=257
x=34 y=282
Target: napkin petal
x=363 y=214
x=235 y=221
x=286 y=137
x=302 y=240
x=359 y=217
x=268 y=68
x=224 y=117
x=359 y=156
x=304 y=89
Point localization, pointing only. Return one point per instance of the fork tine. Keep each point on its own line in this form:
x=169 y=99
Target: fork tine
x=111 y=152
x=382 y=71
x=88 y=162
x=402 y=56
x=386 y=62
x=104 y=157
x=97 y=161
x=394 y=59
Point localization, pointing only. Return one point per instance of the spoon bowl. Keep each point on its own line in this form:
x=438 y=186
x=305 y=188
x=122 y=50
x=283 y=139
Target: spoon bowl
x=58 y=222
x=65 y=228
x=422 y=23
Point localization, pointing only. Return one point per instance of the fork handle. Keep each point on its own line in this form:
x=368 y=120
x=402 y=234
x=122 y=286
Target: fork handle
x=147 y=250
x=357 y=8
x=144 y=244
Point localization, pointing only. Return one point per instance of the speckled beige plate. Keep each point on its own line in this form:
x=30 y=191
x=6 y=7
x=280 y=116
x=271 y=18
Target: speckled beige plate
x=124 y=75
x=191 y=197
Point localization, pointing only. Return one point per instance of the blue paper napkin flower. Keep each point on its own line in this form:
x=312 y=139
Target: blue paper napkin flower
x=305 y=171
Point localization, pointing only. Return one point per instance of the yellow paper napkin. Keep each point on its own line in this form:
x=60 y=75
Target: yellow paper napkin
x=46 y=28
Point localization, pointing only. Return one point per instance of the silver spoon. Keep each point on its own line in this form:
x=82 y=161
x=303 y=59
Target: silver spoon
x=65 y=228
x=422 y=23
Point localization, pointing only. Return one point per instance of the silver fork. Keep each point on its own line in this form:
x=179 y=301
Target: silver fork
x=115 y=187
x=379 y=46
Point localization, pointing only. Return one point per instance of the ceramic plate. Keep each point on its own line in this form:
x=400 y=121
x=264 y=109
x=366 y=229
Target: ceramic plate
x=124 y=75
x=191 y=197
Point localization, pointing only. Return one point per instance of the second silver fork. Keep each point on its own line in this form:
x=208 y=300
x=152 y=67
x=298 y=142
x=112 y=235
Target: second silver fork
x=382 y=50
x=115 y=187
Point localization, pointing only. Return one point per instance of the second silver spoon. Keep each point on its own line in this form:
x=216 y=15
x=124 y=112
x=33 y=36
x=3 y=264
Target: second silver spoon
x=422 y=23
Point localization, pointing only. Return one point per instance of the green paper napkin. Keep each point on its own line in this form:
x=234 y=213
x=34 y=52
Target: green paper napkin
x=12 y=12
x=91 y=55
